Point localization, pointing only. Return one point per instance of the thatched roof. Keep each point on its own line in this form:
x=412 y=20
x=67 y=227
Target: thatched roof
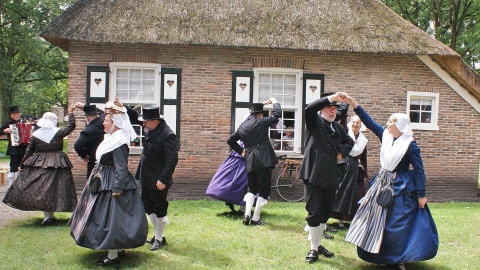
x=366 y=26
x=326 y=25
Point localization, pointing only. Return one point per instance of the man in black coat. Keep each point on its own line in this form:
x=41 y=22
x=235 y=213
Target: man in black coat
x=326 y=143
x=156 y=167
x=259 y=157
x=89 y=139
x=16 y=153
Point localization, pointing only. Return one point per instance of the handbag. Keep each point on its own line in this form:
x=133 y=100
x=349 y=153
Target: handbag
x=95 y=180
x=385 y=197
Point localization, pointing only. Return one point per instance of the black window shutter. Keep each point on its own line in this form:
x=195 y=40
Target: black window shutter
x=242 y=96
x=97 y=84
x=171 y=85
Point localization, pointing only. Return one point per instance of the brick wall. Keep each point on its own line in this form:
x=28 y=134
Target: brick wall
x=378 y=81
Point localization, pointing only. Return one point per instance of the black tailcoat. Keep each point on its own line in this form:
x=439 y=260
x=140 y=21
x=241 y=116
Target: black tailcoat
x=89 y=140
x=253 y=133
x=322 y=146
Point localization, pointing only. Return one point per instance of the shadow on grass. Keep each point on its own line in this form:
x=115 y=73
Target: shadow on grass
x=36 y=222
x=132 y=259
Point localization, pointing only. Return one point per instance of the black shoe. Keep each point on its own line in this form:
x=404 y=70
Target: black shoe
x=246 y=220
x=327 y=236
x=259 y=222
x=150 y=241
x=312 y=256
x=48 y=221
x=158 y=244
x=322 y=250
x=230 y=205
x=107 y=261
x=331 y=229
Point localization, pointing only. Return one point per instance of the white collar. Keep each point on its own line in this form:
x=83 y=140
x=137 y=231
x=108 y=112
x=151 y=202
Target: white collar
x=392 y=151
x=46 y=134
x=360 y=143
x=111 y=142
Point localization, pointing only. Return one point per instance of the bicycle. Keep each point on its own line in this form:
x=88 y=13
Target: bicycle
x=285 y=180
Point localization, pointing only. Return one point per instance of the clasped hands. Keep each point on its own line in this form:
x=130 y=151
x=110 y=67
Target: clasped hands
x=270 y=101
x=344 y=97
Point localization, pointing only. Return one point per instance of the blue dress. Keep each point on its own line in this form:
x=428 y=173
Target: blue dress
x=410 y=233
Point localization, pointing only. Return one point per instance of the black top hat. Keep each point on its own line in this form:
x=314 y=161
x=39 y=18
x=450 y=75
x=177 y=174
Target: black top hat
x=256 y=108
x=150 y=113
x=14 y=109
x=90 y=110
x=326 y=94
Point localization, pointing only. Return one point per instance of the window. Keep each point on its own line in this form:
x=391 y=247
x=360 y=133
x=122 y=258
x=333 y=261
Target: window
x=136 y=85
x=422 y=108
x=285 y=85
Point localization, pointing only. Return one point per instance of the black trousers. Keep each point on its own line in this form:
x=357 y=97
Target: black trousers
x=15 y=162
x=319 y=204
x=260 y=182
x=155 y=201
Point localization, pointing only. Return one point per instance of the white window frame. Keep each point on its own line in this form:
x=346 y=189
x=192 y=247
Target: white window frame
x=297 y=108
x=434 y=97
x=157 y=93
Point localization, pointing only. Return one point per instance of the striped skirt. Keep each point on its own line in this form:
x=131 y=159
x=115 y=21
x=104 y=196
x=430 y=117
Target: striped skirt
x=368 y=224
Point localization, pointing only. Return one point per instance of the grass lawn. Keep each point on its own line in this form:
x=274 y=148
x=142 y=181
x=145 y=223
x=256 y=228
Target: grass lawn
x=204 y=234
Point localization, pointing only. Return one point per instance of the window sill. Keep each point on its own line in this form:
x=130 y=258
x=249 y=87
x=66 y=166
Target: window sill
x=424 y=127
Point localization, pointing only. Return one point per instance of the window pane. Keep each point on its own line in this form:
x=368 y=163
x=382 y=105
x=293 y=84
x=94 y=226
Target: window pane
x=135 y=95
x=135 y=73
x=277 y=78
x=290 y=79
x=290 y=90
x=122 y=95
x=426 y=117
x=414 y=117
x=264 y=78
x=148 y=95
x=264 y=89
x=148 y=74
x=289 y=100
x=414 y=106
x=122 y=73
x=148 y=85
x=122 y=84
x=262 y=97
x=277 y=90
x=135 y=85
x=427 y=107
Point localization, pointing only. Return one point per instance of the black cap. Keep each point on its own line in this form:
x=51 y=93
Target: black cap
x=90 y=110
x=151 y=113
x=14 y=109
x=256 y=108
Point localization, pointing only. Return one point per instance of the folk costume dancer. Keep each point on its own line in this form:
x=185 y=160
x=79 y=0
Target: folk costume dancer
x=326 y=144
x=259 y=156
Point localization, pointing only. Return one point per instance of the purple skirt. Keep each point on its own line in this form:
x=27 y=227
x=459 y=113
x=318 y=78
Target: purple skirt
x=229 y=184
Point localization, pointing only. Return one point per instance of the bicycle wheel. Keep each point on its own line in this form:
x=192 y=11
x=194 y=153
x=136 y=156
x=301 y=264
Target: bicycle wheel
x=288 y=187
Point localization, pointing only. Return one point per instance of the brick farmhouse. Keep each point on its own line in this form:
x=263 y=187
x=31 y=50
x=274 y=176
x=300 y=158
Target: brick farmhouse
x=204 y=62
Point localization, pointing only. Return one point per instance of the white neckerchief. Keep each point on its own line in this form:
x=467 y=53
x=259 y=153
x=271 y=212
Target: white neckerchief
x=46 y=133
x=111 y=142
x=392 y=151
x=360 y=143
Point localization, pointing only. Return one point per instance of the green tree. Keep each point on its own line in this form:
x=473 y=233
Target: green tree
x=453 y=22
x=26 y=60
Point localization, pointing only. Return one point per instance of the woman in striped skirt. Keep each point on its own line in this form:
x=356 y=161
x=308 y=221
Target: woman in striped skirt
x=403 y=231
